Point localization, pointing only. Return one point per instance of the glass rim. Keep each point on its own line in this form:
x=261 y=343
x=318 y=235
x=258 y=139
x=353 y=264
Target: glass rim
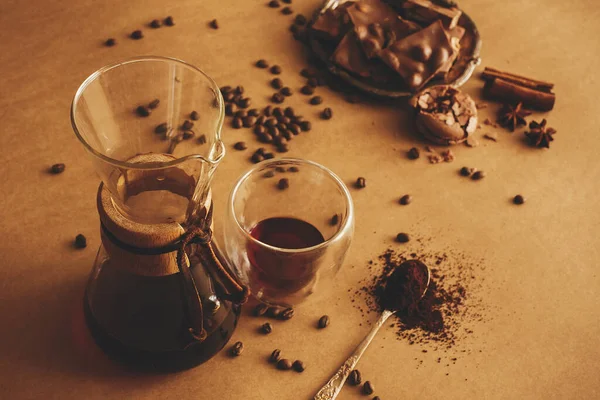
x=344 y=227
x=153 y=165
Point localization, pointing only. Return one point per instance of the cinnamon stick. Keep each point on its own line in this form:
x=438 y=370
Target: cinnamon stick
x=503 y=90
x=492 y=73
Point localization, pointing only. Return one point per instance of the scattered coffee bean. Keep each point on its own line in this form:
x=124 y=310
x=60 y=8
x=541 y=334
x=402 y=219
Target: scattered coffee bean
x=136 y=35
x=414 y=153
x=308 y=72
x=334 y=220
x=376 y=398
x=287 y=1
x=300 y=20
x=518 y=199
x=80 y=241
x=313 y=82
x=355 y=378
x=287 y=314
x=323 y=322
x=316 y=100
x=154 y=104
x=275 y=69
x=262 y=64
x=239 y=89
x=253 y=112
x=259 y=130
x=287 y=10
x=277 y=98
x=275 y=356
x=244 y=103
x=466 y=171
x=298 y=366
x=256 y=158
x=169 y=21
x=202 y=139
x=280 y=169
x=293 y=169
x=237 y=349
x=368 y=388
x=308 y=90
x=274 y=131
x=237 y=123
x=240 y=114
x=273 y=4
x=214 y=24
x=360 y=183
x=305 y=126
x=284 y=364
x=225 y=89
x=261 y=120
x=188 y=135
x=402 y=237
x=228 y=97
x=283 y=148
x=277 y=112
x=265 y=138
x=283 y=184
x=249 y=121
x=294 y=129
x=282 y=127
x=155 y=24
x=273 y=312
x=260 y=310
x=142 y=111
x=269 y=174
x=194 y=116
x=268 y=111
x=268 y=156
x=478 y=175
x=286 y=91
x=187 y=125
x=266 y=328
x=406 y=199
x=327 y=113
x=287 y=134
x=57 y=168
x=110 y=42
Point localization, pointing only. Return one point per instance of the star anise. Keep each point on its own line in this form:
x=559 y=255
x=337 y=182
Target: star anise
x=512 y=116
x=539 y=135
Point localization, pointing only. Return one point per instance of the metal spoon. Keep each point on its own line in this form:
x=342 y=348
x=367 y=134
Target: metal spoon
x=334 y=385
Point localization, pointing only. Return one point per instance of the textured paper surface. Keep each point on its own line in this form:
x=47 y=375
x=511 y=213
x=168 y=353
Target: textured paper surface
x=542 y=288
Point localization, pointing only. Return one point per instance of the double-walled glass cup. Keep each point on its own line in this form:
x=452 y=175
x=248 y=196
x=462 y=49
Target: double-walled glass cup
x=289 y=225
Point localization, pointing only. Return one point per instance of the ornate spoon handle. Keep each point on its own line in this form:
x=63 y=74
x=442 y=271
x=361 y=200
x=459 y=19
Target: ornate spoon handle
x=335 y=384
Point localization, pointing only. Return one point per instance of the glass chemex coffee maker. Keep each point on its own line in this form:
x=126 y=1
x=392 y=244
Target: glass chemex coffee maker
x=160 y=296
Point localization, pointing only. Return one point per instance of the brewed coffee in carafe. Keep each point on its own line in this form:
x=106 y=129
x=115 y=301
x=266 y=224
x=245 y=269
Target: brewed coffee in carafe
x=160 y=296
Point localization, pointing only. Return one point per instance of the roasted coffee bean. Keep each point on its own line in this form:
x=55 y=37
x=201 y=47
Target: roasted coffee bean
x=214 y=24
x=286 y=91
x=478 y=175
x=360 y=183
x=274 y=131
x=405 y=200
x=241 y=114
x=280 y=169
x=269 y=174
x=239 y=89
x=155 y=24
x=275 y=70
x=241 y=146
x=136 y=35
x=518 y=199
x=284 y=364
x=368 y=388
x=110 y=42
x=277 y=98
x=253 y=112
x=293 y=169
x=268 y=111
x=273 y=4
x=305 y=126
x=80 y=242
x=278 y=141
x=355 y=378
x=288 y=112
x=237 y=123
x=316 y=100
x=287 y=134
x=225 y=89
x=313 y=82
x=277 y=112
x=228 y=97
x=244 y=103
x=326 y=113
x=294 y=129
x=259 y=130
x=273 y=312
x=283 y=184
x=169 y=21
x=376 y=398
x=265 y=137
x=308 y=90
x=323 y=322
x=194 y=116
x=201 y=139
x=256 y=158
x=188 y=135
x=466 y=171
x=282 y=127
x=300 y=20
x=187 y=125
x=414 y=153
x=237 y=349
x=402 y=237
x=287 y=10
x=287 y=314
x=268 y=156
x=308 y=72
x=275 y=356
x=142 y=111
x=266 y=328
x=276 y=83
x=287 y=1
x=261 y=120
x=230 y=109
x=57 y=168
x=334 y=220
x=283 y=148
x=249 y=121
x=262 y=64
x=270 y=122
x=298 y=366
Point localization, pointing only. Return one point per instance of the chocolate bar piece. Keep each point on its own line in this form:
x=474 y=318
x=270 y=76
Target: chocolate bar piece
x=350 y=56
x=377 y=25
x=428 y=12
x=419 y=57
x=333 y=24
x=455 y=35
